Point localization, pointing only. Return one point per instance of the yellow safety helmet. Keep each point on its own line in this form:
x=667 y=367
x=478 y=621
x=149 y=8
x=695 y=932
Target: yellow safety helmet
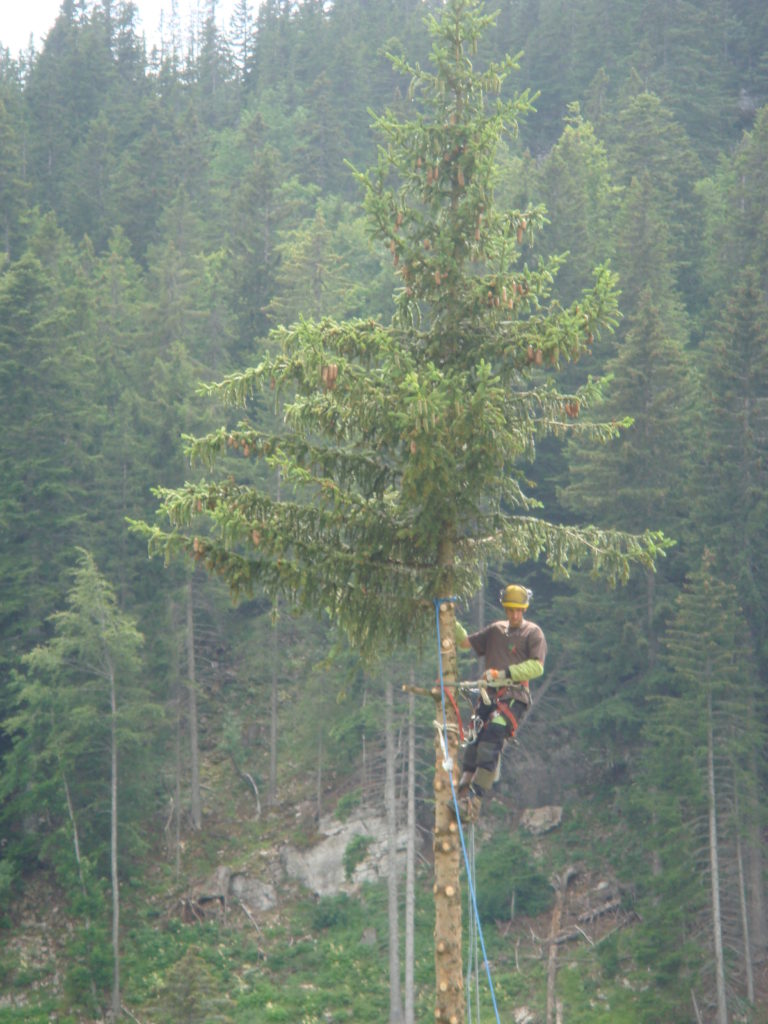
x=515 y=596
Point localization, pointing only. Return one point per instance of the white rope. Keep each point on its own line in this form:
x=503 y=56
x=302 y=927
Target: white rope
x=447 y=759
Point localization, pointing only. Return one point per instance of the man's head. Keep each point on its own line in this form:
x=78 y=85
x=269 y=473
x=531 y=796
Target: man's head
x=514 y=600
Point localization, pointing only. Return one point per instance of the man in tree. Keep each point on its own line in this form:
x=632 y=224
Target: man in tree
x=514 y=650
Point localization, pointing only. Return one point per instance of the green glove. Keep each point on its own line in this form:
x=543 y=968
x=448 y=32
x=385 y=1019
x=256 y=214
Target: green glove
x=530 y=669
x=459 y=633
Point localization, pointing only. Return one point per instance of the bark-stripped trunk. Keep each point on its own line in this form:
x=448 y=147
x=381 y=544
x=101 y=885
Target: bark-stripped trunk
x=714 y=870
x=196 y=813
x=410 y=864
x=560 y=884
x=745 y=922
x=273 y=699
x=390 y=803
x=75 y=834
x=758 y=929
x=449 y=978
x=273 y=706
x=113 y=848
x=757 y=915
x=743 y=899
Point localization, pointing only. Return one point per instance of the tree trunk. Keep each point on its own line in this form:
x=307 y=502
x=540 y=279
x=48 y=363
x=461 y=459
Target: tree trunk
x=449 y=978
x=758 y=929
x=113 y=849
x=75 y=834
x=194 y=750
x=273 y=705
x=274 y=693
x=714 y=868
x=319 y=775
x=410 y=863
x=758 y=924
x=743 y=901
x=560 y=885
x=390 y=803
x=177 y=787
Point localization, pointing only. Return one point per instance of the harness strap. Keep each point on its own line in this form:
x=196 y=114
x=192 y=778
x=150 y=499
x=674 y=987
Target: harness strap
x=455 y=707
x=506 y=710
x=499 y=707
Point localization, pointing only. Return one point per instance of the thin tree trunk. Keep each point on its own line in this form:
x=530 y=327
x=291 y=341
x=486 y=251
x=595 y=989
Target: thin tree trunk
x=76 y=841
x=177 y=788
x=748 y=955
x=390 y=803
x=113 y=850
x=758 y=923
x=175 y=820
x=758 y=928
x=272 y=795
x=194 y=750
x=560 y=885
x=650 y=612
x=410 y=862
x=364 y=772
x=319 y=775
x=75 y=834
x=714 y=866
x=273 y=706
x=449 y=973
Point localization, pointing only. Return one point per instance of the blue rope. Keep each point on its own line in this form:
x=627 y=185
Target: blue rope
x=470 y=879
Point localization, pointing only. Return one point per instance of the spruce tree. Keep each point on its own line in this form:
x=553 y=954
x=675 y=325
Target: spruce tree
x=731 y=503
x=81 y=726
x=698 y=801
x=404 y=444
x=639 y=477
x=574 y=181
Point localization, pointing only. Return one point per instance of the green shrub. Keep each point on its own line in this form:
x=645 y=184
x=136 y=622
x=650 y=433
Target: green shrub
x=355 y=853
x=506 y=876
x=331 y=911
x=347 y=803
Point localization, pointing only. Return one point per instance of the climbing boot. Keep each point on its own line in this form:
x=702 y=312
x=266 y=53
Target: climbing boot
x=469 y=807
x=464 y=782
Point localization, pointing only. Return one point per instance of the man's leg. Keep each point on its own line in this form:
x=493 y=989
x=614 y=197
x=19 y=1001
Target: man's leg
x=479 y=766
x=487 y=758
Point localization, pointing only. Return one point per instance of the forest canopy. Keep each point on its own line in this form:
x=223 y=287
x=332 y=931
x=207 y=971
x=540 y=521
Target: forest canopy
x=202 y=212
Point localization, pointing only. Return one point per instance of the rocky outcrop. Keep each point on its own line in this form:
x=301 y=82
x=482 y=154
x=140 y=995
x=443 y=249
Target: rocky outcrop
x=539 y=820
x=322 y=869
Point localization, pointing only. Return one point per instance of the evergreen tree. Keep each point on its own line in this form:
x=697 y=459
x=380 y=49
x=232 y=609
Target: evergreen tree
x=13 y=188
x=257 y=202
x=327 y=268
x=699 y=797
x=404 y=444
x=65 y=90
x=731 y=506
x=574 y=183
x=50 y=414
x=637 y=478
x=734 y=206
x=79 y=715
x=192 y=994
x=652 y=152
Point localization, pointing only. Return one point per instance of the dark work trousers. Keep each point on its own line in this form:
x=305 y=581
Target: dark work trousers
x=484 y=753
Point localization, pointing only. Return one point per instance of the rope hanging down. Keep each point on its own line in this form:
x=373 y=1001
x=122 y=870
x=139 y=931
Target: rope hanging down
x=448 y=765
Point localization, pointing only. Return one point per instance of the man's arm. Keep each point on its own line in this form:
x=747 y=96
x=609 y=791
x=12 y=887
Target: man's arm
x=461 y=637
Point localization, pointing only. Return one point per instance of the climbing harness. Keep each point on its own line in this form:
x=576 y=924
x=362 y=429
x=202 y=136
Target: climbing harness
x=469 y=863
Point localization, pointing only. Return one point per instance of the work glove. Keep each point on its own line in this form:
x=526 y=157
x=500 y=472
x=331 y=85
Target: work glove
x=459 y=633
x=530 y=669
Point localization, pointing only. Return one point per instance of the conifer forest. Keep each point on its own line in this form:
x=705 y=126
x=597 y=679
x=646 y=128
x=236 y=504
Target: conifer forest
x=317 y=330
